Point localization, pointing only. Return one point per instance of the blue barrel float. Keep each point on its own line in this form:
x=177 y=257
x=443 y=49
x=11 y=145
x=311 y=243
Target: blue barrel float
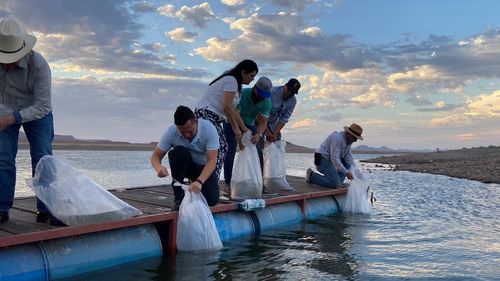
x=77 y=255
x=236 y=224
x=70 y=256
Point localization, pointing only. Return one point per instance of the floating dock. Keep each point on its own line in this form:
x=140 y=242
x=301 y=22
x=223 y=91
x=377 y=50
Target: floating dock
x=38 y=251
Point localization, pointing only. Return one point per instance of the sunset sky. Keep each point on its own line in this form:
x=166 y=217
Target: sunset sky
x=414 y=74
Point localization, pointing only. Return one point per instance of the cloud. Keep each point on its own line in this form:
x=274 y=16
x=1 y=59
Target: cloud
x=143 y=7
x=130 y=109
x=441 y=106
x=233 y=2
x=478 y=109
x=167 y=10
x=181 y=34
x=418 y=100
x=281 y=38
x=292 y=5
x=304 y=123
x=97 y=36
x=485 y=106
x=198 y=15
x=376 y=95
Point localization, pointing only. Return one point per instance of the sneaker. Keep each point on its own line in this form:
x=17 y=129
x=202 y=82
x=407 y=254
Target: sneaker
x=4 y=217
x=309 y=172
x=46 y=217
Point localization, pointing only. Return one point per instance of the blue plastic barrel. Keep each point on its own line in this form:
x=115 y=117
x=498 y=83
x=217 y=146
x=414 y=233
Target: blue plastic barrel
x=277 y=215
x=234 y=224
x=23 y=262
x=86 y=253
x=318 y=207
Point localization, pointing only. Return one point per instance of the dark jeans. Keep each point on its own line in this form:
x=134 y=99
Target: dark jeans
x=330 y=177
x=40 y=134
x=232 y=143
x=182 y=166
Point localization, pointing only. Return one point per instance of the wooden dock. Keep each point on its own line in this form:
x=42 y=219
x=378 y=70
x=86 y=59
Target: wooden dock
x=155 y=202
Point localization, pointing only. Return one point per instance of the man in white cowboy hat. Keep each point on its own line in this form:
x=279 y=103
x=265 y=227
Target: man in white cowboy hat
x=333 y=158
x=25 y=100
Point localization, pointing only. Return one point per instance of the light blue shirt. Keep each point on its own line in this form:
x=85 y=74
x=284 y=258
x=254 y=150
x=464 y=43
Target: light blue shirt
x=206 y=138
x=335 y=148
x=281 y=109
x=26 y=90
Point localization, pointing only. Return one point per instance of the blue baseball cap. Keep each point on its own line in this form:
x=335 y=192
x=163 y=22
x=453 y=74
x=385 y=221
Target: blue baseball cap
x=263 y=87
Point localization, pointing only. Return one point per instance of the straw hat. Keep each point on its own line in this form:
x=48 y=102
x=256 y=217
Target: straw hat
x=354 y=130
x=14 y=42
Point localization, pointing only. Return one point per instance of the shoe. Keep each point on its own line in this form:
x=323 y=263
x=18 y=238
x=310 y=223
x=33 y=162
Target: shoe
x=4 y=217
x=309 y=172
x=46 y=217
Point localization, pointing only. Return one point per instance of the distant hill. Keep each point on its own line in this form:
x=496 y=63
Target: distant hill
x=383 y=150
x=68 y=142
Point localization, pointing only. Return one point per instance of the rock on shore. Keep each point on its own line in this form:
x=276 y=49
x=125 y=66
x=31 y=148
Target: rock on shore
x=481 y=164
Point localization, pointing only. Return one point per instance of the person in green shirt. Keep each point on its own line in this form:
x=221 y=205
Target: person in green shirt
x=255 y=105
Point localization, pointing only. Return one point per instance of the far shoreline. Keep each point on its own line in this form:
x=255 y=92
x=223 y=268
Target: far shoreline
x=480 y=164
x=123 y=146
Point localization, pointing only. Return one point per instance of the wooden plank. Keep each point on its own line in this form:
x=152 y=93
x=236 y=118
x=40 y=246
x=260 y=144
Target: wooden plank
x=83 y=229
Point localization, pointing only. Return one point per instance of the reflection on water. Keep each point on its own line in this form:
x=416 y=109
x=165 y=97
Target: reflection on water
x=422 y=227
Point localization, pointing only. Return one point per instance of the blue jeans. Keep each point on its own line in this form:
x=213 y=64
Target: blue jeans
x=330 y=177
x=40 y=134
x=231 y=151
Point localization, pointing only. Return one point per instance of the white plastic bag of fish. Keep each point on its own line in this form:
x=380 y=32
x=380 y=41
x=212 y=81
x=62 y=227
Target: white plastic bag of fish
x=275 y=166
x=357 y=194
x=196 y=230
x=246 y=182
x=74 y=198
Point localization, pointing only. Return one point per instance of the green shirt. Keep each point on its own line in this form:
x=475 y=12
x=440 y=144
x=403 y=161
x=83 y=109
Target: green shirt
x=250 y=110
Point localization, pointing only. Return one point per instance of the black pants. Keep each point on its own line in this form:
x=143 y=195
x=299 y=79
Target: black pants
x=182 y=166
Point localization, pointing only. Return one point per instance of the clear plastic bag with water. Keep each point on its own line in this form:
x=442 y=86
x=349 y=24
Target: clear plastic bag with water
x=275 y=166
x=357 y=194
x=196 y=230
x=246 y=182
x=73 y=197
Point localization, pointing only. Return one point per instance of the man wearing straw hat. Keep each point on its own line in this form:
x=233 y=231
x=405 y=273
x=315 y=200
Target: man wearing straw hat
x=333 y=158
x=25 y=100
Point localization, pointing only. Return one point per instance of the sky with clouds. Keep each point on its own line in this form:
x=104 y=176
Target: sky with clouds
x=413 y=74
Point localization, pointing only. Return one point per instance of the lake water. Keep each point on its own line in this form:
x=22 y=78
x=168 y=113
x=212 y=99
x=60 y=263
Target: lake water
x=422 y=227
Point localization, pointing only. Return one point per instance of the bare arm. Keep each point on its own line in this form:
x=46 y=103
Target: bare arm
x=274 y=136
x=231 y=114
x=261 y=128
x=6 y=121
x=207 y=170
x=156 y=158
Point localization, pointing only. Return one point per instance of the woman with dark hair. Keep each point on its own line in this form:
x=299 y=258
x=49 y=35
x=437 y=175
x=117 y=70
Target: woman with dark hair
x=218 y=104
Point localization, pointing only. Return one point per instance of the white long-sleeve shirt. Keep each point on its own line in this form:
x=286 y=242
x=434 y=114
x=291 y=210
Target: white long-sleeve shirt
x=26 y=90
x=335 y=148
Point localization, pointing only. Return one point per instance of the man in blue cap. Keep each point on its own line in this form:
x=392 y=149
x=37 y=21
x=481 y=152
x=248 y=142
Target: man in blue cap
x=255 y=105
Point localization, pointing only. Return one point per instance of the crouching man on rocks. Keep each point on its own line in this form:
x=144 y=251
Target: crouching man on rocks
x=191 y=144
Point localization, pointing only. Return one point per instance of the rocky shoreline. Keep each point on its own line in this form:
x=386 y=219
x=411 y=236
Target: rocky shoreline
x=480 y=164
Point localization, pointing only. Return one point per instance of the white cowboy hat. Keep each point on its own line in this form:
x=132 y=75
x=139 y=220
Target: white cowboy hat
x=14 y=42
